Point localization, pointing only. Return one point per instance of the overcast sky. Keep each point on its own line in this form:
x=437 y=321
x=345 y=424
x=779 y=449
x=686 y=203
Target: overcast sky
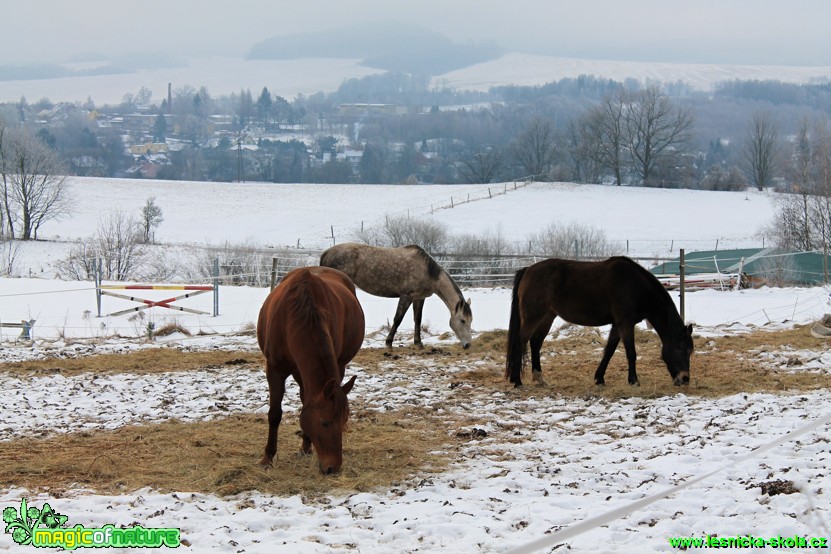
x=767 y=32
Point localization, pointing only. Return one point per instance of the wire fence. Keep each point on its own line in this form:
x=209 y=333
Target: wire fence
x=262 y=267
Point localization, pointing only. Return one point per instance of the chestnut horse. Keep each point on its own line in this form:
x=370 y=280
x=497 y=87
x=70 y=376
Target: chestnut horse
x=617 y=291
x=407 y=273
x=310 y=326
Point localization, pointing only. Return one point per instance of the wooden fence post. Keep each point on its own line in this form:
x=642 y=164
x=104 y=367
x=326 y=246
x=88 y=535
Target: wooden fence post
x=273 y=273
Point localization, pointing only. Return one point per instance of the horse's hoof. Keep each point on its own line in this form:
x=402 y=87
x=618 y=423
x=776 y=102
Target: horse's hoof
x=600 y=383
x=266 y=462
x=635 y=384
x=537 y=378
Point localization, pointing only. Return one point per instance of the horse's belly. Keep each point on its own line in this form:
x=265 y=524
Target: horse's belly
x=591 y=319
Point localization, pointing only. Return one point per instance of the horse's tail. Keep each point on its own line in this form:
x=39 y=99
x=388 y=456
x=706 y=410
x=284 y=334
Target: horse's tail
x=515 y=355
x=326 y=254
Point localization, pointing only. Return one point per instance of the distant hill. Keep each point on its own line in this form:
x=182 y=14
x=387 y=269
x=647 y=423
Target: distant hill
x=390 y=46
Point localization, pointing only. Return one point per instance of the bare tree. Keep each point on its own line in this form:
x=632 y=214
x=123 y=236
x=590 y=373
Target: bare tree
x=118 y=244
x=654 y=129
x=721 y=178
x=402 y=230
x=798 y=207
x=32 y=185
x=572 y=241
x=761 y=149
x=582 y=148
x=803 y=218
x=606 y=129
x=151 y=217
x=535 y=149
x=484 y=166
x=5 y=229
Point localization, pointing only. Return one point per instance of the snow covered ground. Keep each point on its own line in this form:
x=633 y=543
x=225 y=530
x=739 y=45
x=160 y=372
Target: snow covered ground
x=532 y=70
x=560 y=462
x=643 y=221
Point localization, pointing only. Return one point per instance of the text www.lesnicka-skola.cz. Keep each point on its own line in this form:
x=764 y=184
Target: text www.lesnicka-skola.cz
x=748 y=541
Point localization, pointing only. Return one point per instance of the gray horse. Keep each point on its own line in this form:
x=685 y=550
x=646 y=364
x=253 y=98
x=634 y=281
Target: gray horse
x=407 y=273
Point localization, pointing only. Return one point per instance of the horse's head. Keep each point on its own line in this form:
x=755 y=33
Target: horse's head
x=323 y=420
x=460 y=320
x=676 y=353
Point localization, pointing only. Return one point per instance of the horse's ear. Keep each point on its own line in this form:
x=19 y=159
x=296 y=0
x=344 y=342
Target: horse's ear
x=468 y=301
x=329 y=388
x=348 y=385
x=689 y=329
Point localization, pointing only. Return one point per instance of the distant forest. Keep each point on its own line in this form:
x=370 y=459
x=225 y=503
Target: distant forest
x=397 y=128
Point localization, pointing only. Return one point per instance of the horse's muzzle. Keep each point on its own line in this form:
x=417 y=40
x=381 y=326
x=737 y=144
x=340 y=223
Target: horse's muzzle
x=466 y=345
x=683 y=378
x=328 y=470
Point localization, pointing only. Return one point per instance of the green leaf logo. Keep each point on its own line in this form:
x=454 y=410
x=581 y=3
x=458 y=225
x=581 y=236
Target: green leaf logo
x=22 y=526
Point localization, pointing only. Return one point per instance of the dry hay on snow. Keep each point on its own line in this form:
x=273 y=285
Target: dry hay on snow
x=383 y=447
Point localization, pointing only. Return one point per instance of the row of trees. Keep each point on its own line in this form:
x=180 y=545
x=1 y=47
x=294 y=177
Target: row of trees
x=584 y=129
x=803 y=217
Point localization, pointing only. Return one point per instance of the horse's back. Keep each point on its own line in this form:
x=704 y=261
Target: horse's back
x=604 y=276
x=296 y=306
x=592 y=293
x=385 y=272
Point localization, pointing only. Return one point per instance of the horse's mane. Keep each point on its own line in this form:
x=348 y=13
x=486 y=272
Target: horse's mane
x=659 y=289
x=433 y=268
x=306 y=312
x=302 y=305
x=434 y=271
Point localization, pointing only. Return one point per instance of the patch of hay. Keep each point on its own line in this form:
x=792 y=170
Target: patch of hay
x=220 y=457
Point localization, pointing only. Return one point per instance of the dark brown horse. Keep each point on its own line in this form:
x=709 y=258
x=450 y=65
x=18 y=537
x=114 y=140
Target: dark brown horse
x=617 y=291
x=407 y=273
x=310 y=327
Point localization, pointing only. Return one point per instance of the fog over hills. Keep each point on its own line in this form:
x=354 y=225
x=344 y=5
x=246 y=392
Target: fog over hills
x=390 y=45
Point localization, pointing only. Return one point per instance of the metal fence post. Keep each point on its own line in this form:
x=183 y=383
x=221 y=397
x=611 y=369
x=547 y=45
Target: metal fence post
x=96 y=273
x=682 y=267
x=216 y=287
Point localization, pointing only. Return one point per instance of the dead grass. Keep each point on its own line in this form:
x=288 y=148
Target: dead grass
x=721 y=366
x=151 y=360
x=380 y=449
x=171 y=328
x=220 y=456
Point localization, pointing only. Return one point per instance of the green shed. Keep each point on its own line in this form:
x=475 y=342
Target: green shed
x=771 y=266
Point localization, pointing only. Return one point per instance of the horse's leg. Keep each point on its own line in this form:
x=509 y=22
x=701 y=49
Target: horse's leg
x=628 y=337
x=306 y=445
x=536 y=345
x=611 y=345
x=403 y=305
x=276 y=390
x=418 y=307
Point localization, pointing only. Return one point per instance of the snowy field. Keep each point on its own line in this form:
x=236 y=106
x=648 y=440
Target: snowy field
x=561 y=462
x=644 y=222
